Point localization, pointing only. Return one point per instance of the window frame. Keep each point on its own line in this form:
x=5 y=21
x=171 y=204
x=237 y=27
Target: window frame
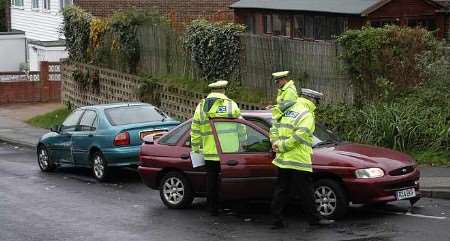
x=13 y=4
x=93 y=125
x=69 y=128
x=62 y=4
x=241 y=121
x=265 y=26
x=35 y=4
x=46 y=5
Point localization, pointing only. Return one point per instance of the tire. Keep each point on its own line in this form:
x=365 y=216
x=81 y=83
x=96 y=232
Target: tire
x=330 y=198
x=44 y=161
x=175 y=191
x=100 y=168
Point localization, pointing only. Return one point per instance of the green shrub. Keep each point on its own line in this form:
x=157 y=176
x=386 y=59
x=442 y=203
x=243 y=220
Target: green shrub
x=383 y=62
x=214 y=47
x=76 y=29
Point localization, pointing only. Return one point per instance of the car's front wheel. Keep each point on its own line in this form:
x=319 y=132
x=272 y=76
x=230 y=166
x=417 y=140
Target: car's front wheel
x=330 y=198
x=100 y=167
x=175 y=191
x=44 y=161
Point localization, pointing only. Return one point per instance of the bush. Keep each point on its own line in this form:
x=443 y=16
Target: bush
x=384 y=61
x=214 y=47
x=76 y=29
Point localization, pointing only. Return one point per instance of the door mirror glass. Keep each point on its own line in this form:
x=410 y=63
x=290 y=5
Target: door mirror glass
x=56 y=128
x=235 y=137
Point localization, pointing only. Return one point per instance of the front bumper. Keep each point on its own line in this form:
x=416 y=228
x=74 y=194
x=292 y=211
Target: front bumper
x=383 y=189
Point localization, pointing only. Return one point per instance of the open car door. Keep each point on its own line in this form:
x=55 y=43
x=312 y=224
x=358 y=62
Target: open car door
x=246 y=157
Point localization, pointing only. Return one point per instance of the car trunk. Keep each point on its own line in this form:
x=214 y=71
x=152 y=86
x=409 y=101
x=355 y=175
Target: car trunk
x=135 y=130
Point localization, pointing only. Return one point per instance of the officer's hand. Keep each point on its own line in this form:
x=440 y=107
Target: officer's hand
x=275 y=147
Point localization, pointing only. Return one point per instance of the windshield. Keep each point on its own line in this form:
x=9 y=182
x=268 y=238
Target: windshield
x=134 y=114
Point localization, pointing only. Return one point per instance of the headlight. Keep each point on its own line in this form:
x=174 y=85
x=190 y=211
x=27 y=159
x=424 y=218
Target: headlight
x=369 y=173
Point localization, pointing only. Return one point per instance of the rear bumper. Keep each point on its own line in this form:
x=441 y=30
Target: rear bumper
x=122 y=156
x=149 y=176
x=365 y=191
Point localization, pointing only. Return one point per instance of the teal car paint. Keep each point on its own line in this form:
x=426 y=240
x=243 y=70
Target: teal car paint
x=93 y=129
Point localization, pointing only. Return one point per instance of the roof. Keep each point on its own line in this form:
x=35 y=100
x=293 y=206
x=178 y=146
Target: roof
x=330 y=6
x=113 y=105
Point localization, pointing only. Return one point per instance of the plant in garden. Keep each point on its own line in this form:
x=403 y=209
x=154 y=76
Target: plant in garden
x=214 y=47
x=124 y=27
x=76 y=29
x=98 y=29
x=384 y=61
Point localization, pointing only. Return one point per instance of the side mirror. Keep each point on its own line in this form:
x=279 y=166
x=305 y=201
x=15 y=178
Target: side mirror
x=56 y=128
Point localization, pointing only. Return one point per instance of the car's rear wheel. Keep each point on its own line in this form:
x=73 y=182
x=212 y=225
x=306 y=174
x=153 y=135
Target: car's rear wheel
x=175 y=191
x=100 y=167
x=44 y=161
x=330 y=198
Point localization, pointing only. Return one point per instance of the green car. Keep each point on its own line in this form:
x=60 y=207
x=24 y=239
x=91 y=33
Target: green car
x=101 y=137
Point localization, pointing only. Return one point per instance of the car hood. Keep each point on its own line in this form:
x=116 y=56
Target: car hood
x=361 y=156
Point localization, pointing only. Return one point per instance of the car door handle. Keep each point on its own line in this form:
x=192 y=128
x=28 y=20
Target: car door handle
x=232 y=162
x=185 y=156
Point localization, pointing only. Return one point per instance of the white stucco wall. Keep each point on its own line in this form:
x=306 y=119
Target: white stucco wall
x=12 y=51
x=38 y=53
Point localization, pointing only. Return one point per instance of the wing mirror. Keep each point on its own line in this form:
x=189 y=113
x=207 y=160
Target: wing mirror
x=56 y=128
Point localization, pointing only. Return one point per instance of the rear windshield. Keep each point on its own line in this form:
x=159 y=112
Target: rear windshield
x=133 y=114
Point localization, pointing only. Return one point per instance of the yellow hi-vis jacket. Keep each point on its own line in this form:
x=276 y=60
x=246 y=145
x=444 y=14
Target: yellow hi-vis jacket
x=287 y=92
x=293 y=134
x=216 y=105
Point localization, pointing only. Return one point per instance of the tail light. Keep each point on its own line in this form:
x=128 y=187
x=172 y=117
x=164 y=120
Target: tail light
x=122 y=139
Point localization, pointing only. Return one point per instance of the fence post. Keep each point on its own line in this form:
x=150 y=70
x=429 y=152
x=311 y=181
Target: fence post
x=43 y=77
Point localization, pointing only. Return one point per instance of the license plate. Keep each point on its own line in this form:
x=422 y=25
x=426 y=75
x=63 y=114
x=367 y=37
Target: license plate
x=407 y=193
x=158 y=133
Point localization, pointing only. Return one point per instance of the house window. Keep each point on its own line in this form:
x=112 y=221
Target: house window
x=427 y=23
x=250 y=23
x=46 y=4
x=17 y=3
x=35 y=4
x=267 y=21
x=65 y=3
x=309 y=27
x=341 y=25
x=299 y=26
x=382 y=22
x=281 y=25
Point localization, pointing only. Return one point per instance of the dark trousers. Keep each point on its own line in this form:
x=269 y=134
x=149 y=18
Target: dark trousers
x=300 y=182
x=212 y=183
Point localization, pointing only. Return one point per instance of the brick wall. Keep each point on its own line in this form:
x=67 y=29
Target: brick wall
x=26 y=91
x=179 y=12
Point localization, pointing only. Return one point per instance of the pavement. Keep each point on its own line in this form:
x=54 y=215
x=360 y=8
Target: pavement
x=435 y=181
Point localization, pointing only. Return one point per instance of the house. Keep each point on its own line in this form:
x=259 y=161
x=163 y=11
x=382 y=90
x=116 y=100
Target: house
x=179 y=12
x=41 y=21
x=325 y=19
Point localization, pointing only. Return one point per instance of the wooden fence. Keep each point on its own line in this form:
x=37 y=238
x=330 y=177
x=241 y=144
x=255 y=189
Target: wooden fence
x=313 y=65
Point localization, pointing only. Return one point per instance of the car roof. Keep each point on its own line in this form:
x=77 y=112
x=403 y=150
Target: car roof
x=265 y=114
x=114 y=105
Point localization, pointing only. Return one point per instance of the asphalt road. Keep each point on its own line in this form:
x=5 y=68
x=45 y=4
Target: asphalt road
x=70 y=205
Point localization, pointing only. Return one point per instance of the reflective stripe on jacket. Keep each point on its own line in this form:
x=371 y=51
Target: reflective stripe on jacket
x=293 y=134
x=216 y=105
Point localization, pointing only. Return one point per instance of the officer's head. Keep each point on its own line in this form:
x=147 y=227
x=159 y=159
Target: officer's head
x=218 y=86
x=280 y=78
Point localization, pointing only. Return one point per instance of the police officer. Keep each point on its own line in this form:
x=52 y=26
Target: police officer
x=291 y=137
x=215 y=105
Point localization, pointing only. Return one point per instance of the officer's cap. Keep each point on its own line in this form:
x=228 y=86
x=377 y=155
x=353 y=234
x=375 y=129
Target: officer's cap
x=278 y=75
x=218 y=84
x=311 y=93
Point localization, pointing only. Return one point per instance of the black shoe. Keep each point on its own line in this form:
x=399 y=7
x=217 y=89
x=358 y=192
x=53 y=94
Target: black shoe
x=277 y=225
x=321 y=222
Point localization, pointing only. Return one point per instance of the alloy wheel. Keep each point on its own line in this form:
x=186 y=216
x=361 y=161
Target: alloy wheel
x=43 y=159
x=326 y=200
x=173 y=190
x=99 y=167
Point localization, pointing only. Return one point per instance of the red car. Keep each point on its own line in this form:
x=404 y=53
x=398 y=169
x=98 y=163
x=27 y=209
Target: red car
x=344 y=172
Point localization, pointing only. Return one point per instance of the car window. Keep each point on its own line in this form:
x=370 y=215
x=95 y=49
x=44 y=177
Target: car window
x=72 y=120
x=88 y=120
x=172 y=137
x=235 y=137
x=260 y=123
x=134 y=114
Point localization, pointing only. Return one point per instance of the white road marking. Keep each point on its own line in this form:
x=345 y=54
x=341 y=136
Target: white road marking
x=412 y=215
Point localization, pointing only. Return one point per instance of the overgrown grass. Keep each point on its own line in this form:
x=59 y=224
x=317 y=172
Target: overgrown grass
x=434 y=158
x=49 y=119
